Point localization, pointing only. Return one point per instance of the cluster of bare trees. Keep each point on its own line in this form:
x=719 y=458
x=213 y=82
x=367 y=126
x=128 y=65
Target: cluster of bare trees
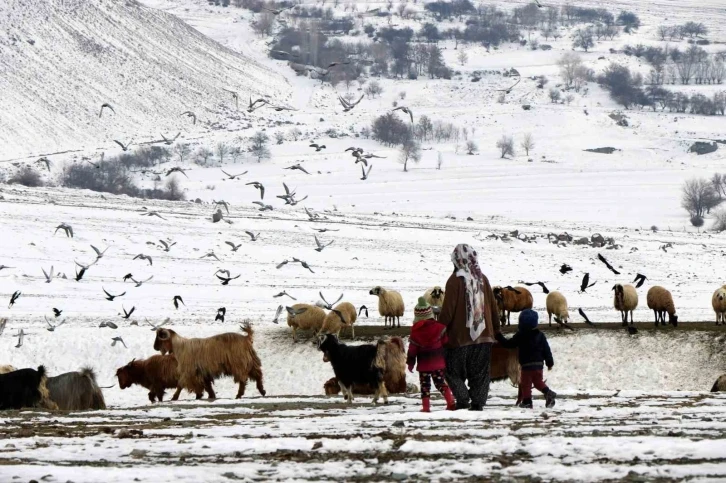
x=700 y=195
x=689 y=29
x=671 y=65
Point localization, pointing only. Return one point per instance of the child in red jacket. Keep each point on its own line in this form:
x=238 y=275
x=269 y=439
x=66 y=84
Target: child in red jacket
x=426 y=346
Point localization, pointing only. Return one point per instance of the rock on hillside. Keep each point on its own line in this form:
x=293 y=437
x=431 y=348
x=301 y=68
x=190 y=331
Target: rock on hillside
x=61 y=59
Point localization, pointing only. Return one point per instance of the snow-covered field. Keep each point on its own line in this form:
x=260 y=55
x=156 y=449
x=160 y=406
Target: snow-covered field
x=632 y=407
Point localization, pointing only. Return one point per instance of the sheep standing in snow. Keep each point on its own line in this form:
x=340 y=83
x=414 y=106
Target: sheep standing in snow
x=76 y=391
x=512 y=299
x=342 y=315
x=390 y=305
x=660 y=301
x=204 y=360
x=625 y=300
x=718 y=302
x=435 y=298
x=7 y=368
x=557 y=305
x=720 y=384
x=311 y=319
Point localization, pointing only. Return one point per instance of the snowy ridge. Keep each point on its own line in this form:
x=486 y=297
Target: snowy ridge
x=62 y=59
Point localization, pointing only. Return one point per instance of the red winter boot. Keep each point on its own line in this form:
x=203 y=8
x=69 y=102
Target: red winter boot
x=426 y=405
x=450 y=401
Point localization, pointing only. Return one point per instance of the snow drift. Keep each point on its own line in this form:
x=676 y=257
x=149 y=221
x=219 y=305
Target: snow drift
x=61 y=59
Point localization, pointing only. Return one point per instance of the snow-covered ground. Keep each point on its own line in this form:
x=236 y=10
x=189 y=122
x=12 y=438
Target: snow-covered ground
x=394 y=229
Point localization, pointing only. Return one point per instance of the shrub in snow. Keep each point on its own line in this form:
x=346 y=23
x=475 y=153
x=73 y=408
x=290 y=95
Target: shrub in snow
x=27 y=176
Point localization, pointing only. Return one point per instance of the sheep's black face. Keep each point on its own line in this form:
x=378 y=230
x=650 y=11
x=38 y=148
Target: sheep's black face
x=436 y=293
x=375 y=291
x=673 y=319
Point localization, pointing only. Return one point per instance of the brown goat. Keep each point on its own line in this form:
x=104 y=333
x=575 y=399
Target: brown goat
x=511 y=299
x=203 y=360
x=156 y=374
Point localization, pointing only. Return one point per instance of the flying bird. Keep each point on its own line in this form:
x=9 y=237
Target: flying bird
x=117 y=340
x=169 y=141
x=277 y=314
x=297 y=167
x=221 y=313
x=347 y=106
x=320 y=245
x=110 y=297
x=258 y=186
x=140 y=283
x=284 y=294
x=323 y=230
x=105 y=105
x=234 y=247
x=157 y=327
x=110 y=325
x=509 y=89
x=211 y=254
x=538 y=4
x=57 y=312
x=99 y=253
x=141 y=256
x=51 y=327
x=128 y=314
x=263 y=207
x=607 y=264
x=252 y=236
x=127 y=277
x=328 y=305
x=21 y=337
x=176 y=169
x=14 y=298
x=66 y=228
x=191 y=115
x=334 y=64
x=167 y=246
x=124 y=147
x=582 y=314
x=640 y=279
x=45 y=161
x=405 y=110
x=227 y=279
x=48 y=278
x=233 y=176
x=235 y=96
x=585 y=281
x=79 y=275
x=303 y=264
x=253 y=106
x=311 y=215
x=222 y=203
x=176 y=300
x=2 y=267
x=541 y=284
x=282 y=264
x=294 y=312
x=317 y=147
x=153 y=213
x=3 y=323
x=361 y=309
x=565 y=268
x=365 y=173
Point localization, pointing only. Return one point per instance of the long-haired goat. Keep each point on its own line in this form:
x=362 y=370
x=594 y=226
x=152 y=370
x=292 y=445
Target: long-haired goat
x=7 y=368
x=625 y=300
x=390 y=305
x=23 y=388
x=76 y=391
x=511 y=299
x=660 y=301
x=203 y=360
x=505 y=364
x=361 y=364
x=394 y=372
x=156 y=374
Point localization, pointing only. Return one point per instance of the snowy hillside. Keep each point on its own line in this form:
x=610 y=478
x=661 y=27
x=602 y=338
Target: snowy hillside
x=61 y=60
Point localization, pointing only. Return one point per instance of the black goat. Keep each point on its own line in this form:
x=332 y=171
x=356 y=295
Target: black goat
x=76 y=391
x=361 y=364
x=22 y=388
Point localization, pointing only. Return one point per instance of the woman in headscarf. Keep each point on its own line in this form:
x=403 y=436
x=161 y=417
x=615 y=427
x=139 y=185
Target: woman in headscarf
x=470 y=315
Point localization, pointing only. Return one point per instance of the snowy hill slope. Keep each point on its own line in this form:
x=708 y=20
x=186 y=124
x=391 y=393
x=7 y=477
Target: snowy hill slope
x=61 y=60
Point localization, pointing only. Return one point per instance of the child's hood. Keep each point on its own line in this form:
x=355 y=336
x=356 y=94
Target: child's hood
x=425 y=332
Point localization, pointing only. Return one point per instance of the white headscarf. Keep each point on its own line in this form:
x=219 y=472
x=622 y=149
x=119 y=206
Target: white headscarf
x=467 y=267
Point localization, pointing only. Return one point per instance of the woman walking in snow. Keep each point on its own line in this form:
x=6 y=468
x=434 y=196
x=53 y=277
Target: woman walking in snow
x=470 y=315
x=426 y=346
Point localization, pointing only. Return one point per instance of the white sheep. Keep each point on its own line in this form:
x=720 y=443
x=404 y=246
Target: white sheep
x=557 y=305
x=311 y=319
x=342 y=315
x=435 y=298
x=718 y=302
x=625 y=300
x=660 y=301
x=390 y=305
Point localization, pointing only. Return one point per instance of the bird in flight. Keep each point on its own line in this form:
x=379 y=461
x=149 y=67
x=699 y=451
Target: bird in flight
x=14 y=298
x=66 y=228
x=124 y=147
x=141 y=256
x=191 y=115
x=117 y=340
x=176 y=300
x=233 y=176
x=177 y=169
x=320 y=247
x=110 y=297
x=45 y=161
x=169 y=141
x=258 y=186
x=105 y=105
x=128 y=314
x=406 y=110
x=139 y=283
x=365 y=173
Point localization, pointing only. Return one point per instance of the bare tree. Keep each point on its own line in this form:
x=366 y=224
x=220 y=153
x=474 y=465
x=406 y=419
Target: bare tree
x=279 y=137
x=222 y=150
x=527 y=143
x=235 y=152
x=568 y=64
x=204 y=153
x=583 y=39
x=462 y=58
x=506 y=146
x=174 y=190
x=699 y=196
x=259 y=146
x=554 y=95
x=182 y=150
x=663 y=31
x=410 y=151
x=471 y=148
x=373 y=89
x=264 y=23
